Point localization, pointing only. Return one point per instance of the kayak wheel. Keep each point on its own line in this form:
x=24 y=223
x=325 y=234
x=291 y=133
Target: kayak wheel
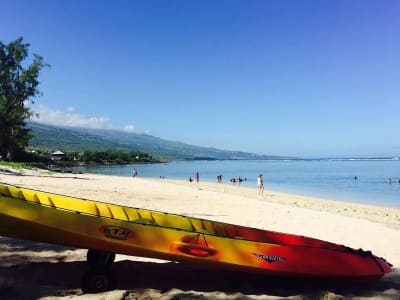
x=95 y=258
x=98 y=280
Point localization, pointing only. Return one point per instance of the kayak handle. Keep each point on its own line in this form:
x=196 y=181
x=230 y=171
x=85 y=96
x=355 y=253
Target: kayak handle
x=195 y=250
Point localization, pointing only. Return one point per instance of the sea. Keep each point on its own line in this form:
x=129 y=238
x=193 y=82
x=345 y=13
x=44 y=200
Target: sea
x=367 y=181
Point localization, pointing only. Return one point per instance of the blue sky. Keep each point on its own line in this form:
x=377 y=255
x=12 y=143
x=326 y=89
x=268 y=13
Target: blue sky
x=298 y=78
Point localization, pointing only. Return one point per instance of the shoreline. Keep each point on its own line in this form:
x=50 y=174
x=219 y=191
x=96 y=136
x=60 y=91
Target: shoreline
x=372 y=212
x=369 y=227
x=347 y=196
x=375 y=213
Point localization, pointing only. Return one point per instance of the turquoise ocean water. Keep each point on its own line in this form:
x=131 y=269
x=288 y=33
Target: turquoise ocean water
x=326 y=178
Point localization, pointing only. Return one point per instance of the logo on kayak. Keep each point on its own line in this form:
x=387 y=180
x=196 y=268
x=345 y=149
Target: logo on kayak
x=269 y=258
x=115 y=232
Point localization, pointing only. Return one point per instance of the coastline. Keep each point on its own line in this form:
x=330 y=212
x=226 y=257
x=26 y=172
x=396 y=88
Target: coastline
x=313 y=178
x=369 y=227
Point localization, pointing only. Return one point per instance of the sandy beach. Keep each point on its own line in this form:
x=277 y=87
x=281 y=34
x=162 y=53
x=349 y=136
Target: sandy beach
x=31 y=270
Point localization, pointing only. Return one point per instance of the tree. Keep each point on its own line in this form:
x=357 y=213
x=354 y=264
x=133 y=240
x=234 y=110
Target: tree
x=18 y=87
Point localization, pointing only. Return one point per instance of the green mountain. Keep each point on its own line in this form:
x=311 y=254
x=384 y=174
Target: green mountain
x=80 y=139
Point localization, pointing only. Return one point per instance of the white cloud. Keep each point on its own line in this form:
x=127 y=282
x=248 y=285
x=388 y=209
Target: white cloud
x=71 y=118
x=129 y=128
x=70 y=109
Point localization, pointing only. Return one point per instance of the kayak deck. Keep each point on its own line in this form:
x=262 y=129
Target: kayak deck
x=161 y=219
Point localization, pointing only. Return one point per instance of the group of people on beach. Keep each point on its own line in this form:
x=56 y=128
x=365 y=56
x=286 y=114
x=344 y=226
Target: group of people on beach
x=233 y=180
x=260 y=181
x=196 y=175
x=239 y=179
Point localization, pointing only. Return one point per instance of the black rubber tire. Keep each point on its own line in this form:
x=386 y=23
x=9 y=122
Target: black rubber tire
x=98 y=280
x=95 y=258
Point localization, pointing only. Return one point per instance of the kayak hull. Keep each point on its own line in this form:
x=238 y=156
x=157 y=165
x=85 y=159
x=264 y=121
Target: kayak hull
x=57 y=219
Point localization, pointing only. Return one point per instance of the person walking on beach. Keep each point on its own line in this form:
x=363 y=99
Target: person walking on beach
x=197 y=176
x=260 y=184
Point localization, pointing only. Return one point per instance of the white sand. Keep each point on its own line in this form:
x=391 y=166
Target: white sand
x=359 y=226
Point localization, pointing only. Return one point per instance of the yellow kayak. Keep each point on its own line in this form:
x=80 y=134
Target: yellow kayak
x=109 y=228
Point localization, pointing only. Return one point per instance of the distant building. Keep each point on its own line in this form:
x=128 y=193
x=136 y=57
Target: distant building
x=57 y=155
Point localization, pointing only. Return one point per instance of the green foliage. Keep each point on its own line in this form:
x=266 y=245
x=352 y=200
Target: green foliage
x=18 y=85
x=19 y=165
x=115 y=156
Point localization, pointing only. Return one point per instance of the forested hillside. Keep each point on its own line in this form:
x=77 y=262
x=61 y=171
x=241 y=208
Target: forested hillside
x=80 y=139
